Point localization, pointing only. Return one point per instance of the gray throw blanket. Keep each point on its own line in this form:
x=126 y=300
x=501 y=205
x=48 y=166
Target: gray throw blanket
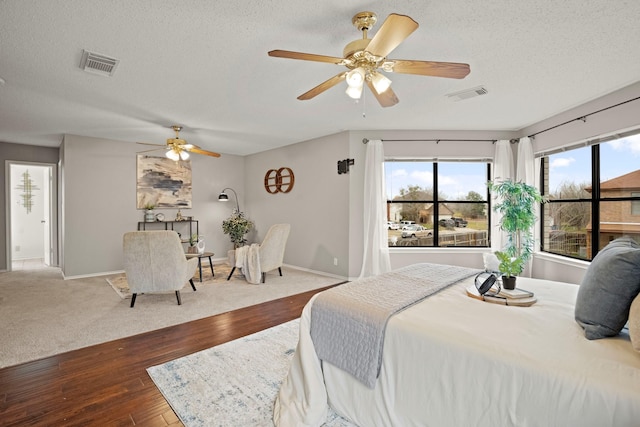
x=348 y=322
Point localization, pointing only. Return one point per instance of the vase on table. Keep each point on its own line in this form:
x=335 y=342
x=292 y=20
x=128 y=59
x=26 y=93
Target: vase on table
x=200 y=246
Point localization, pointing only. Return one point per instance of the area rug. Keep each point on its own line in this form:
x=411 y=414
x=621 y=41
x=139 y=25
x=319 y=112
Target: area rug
x=220 y=273
x=233 y=384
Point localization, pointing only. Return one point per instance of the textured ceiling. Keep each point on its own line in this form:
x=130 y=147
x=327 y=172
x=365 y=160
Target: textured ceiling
x=203 y=64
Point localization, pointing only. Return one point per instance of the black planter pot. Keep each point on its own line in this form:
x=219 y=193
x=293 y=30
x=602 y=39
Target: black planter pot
x=509 y=282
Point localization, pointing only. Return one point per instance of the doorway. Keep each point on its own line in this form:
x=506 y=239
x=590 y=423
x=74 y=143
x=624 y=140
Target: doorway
x=31 y=225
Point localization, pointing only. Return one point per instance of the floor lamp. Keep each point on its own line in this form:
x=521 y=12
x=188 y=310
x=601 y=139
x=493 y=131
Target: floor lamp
x=223 y=197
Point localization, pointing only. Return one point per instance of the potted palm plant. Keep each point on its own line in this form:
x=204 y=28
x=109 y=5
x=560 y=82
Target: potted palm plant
x=517 y=203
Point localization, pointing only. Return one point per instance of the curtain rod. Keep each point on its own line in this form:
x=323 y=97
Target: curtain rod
x=584 y=118
x=365 y=140
x=513 y=141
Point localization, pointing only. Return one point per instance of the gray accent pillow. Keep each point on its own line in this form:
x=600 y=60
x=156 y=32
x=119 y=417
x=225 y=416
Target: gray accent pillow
x=634 y=323
x=608 y=288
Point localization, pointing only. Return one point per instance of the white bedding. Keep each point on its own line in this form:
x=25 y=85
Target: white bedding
x=456 y=361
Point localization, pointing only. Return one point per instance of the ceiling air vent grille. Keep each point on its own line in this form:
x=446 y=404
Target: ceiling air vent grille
x=98 y=64
x=468 y=93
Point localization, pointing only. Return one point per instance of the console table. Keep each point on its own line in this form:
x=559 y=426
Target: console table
x=142 y=226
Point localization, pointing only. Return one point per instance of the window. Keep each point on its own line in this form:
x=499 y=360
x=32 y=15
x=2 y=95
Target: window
x=635 y=204
x=594 y=197
x=437 y=204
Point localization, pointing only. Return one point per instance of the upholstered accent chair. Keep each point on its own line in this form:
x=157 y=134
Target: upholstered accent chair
x=155 y=262
x=270 y=251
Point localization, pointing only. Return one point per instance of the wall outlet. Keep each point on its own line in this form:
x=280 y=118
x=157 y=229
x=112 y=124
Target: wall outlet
x=18 y=249
x=335 y=261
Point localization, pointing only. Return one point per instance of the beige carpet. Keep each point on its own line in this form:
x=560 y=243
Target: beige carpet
x=41 y=314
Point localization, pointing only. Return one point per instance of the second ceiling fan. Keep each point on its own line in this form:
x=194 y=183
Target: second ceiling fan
x=365 y=59
x=178 y=148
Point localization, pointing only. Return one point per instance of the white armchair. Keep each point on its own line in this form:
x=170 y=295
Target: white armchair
x=154 y=261
x=270 y=251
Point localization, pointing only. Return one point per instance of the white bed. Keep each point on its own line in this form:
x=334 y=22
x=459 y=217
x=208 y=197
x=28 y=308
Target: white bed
x=451 y=360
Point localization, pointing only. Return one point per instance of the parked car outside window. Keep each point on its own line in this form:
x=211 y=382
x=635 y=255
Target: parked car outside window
x=416 y=231
x=393 y=225
x=459 y=222
x=406 y=224
x=447 y=223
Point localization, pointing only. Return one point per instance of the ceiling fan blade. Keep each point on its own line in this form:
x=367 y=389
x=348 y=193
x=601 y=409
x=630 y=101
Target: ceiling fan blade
x=148 y=151
x=323 y=86
x=453 y=70
x=393 y=31
x=148 y=143
x=199 y=150
x=387 y=98
x=305 y=56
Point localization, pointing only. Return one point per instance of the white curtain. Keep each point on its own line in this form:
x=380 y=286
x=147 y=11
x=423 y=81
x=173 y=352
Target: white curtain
x=525 y=170
x=528 y=171
x=502 y=169
x=375 y=259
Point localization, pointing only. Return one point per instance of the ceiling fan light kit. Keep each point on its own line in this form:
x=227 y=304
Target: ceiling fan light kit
x=366 y=57
x=355 y=77
x=380 y=82
x=354 y=92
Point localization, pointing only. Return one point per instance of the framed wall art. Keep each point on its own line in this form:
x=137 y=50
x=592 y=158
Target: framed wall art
x=162 y=182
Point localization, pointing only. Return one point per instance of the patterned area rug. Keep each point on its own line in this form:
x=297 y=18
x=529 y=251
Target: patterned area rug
x=233 y=384
x=221 y=271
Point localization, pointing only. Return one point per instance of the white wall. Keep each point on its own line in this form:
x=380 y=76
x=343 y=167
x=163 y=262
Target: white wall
x=99 y=195
x=317 y=206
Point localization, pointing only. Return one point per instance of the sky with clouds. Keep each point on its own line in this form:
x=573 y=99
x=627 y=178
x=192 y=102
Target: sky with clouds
x=617 y=157
x=456 y=179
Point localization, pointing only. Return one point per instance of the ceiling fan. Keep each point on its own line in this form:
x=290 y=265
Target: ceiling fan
x=365 y=59
x=179 y=149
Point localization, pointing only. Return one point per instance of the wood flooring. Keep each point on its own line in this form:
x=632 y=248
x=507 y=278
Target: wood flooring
x=108 y=385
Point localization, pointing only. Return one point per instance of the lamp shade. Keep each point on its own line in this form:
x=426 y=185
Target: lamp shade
x=223 y=197
x=380 y=82
x=354 y=92
x=355 y=77
x=171 y=154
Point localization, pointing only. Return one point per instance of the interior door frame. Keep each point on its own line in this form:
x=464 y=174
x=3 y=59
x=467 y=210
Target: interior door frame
x=52 y=211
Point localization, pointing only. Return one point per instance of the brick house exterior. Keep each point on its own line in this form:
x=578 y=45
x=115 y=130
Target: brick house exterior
x=618 y=217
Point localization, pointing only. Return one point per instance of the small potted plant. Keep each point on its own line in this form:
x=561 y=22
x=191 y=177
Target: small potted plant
x=237 y=226
x=517 y=204
x=193 y=241
x=510 y=267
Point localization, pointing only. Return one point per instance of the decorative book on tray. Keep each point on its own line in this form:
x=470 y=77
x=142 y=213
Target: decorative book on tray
x=517 y=296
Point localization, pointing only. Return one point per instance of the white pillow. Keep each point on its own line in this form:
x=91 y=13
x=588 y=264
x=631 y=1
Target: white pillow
x=491 y=262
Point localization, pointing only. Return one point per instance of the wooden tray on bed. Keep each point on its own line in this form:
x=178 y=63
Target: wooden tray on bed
x=518 y=302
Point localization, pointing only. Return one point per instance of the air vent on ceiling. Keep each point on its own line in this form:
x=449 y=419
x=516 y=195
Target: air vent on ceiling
x=98 y=64
x=467 y=93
